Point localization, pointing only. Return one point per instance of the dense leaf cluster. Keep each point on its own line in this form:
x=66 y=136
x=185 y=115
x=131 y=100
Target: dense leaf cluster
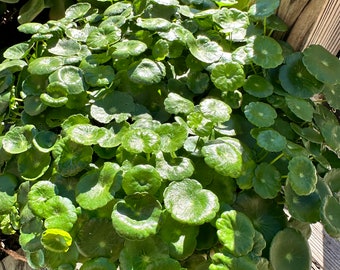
x=167 y=135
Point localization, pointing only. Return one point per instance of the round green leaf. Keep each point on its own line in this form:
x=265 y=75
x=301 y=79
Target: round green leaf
x=6 y=79
x=271 y=140
x=13 y=65
x=200 y=125
x=70 y=76
x=188 y=209
x=111 y=105
x=224 y=156
x=205 y=50
x=146 y=72
x=76 y=11
x=303 y=208
x=38 y=195
x=160 y=50
x=100 y=263
x=96 y=238
x=59 y=213
x=141 y=178
x=15 y=141
x=263 y=8
x=290 y=251
x=126 y=48
x=176 y=104
x=227 y=261
x=301 y=108
x=198 y=82
x=322 y=64
x=258 y=86
x=172 y=136
x=267 y=216
x=47 y=100
x=65 y=47
x=302 y=175
x=99 y=75
x=296 y=80
x=34 y=85
x=215 y=110
x=151 y=253
x=85 y=134
x=72 y=158
x=182 y=240
x=137 y=216
x=44 y=140
x=45 y=65
x=8 y=184
x=267 y=52
x=174 y=169
x=102 y=38
x=260 y=114
x=154 y=24
x=32 y=164
x=332 y=179
x=141 y=140
x=236 y=232
x=267 y=181
x=228 y=76
x=97 y=187
x=17 y=51
x=309 y=133
x=56 y=240
x=330 y=216
x=33 y=105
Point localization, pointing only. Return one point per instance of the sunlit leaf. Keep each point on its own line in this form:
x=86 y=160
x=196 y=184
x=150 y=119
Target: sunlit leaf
x=77 y=11
x=205 y=50
x=17 y=51
x=258 y=86
x=236 y=232
x=215 y=110
x=146 y=72
x=126 y=48
x=65 y=47
x=176 y=104
x=271 y=140
x=141 y=178
x=172 y=136
x=8 y=184
x=263 y=8
x=137 y=216
x=45 y=65
x=228 y=77
x=154 y=24
x=56 y=240
x=141 y=140
x=85 y=134
x=16 y=140
x=99 y=75
x=188 y=209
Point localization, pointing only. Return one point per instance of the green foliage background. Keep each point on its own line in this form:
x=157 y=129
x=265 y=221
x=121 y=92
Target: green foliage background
x=167 y=135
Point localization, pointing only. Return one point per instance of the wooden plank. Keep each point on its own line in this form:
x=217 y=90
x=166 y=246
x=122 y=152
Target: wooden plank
x=311 y=22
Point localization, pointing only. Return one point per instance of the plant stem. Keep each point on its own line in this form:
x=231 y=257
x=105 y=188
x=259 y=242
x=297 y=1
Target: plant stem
x=277 y=158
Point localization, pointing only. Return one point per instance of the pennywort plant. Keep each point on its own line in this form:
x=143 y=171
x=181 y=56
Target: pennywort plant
x=168 y=135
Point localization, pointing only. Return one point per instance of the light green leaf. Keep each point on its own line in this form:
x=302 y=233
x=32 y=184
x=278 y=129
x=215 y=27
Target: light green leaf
x=228 y=77
x=137 y=216
x=174 y=169
x=267 y=52
x=141 y=178
x=267 y=181
x=17 y=140
x=302 y=175
x=8 y=184
x=290 y=250
x=102 y=38
x=17 y=51
x=141 y=140
x=225 y=156
x=176 y=104
x=172 y=136
x=236 y=232
x=200 y=125
x=154 y=24
x=30 y=10
x=126 y=48
x=146 y=72
x=260 y=114
x=65 y=47
x=56 y=240
x=76 y=11
x=215 y=110
x=45 y=65
x=99 y=75
x=111 y=106
x=160 y=50
x=85 y=134
x=205 y=50
x=322 y=64
x=188 y=209
x=97 y=187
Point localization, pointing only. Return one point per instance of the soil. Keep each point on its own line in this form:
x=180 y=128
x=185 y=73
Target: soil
x=8 y=242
